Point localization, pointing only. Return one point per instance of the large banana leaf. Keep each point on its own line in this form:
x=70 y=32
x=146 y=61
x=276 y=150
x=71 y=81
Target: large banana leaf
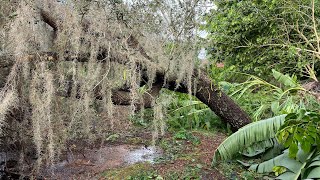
x=286 y=80
x=247 y=136
x=257 y=148
x=295 y=168
x=313 y=170
x=264 y=149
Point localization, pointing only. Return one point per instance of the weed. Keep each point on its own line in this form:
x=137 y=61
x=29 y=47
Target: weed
x=145 y=175
x=233 y=170
x=187 y=136
x=113 y=137
x=191 y=114
x=143 y=119
x=141 y=170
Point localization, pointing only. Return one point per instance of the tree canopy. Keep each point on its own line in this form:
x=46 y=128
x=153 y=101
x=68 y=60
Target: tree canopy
x=253 y=35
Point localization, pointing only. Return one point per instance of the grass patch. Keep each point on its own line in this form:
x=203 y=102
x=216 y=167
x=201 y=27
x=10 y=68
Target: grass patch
x=128 y=172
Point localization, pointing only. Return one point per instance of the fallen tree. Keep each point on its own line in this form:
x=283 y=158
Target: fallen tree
x=207 y=92
x=62 y=68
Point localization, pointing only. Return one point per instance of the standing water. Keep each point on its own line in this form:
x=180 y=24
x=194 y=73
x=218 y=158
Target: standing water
x=92 y=162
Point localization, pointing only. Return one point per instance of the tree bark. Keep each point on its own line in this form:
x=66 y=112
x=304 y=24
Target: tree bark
x=121 y=97
x=220 y=103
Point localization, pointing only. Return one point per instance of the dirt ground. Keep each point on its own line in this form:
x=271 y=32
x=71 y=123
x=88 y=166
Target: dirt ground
x=98 y=163
x=201 y=154
x=128 y=152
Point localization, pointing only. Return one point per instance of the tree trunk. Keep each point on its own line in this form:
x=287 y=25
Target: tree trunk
x=220 y=103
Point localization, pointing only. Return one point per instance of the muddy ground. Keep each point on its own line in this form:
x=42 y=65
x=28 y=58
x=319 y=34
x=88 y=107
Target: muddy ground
x=124 y=160
x=127 y=153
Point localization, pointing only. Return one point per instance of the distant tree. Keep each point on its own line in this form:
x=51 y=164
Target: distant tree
x=258 y=35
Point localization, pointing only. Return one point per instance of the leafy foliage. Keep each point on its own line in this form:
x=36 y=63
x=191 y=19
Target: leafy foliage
x=183 y=113
x=253 y=35
x=143 y=119
x=299 y=132
x=186 y=113
x=305 y=166
x=300 y=129
x=262 y=99
x=186 y=135
x=247 y=136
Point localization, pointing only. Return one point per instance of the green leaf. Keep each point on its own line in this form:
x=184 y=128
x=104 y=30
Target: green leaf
x=273 y=152
x=306 y=145
x=317 y=158
x=260 y=147
x=253 y=152
x=314 y=173
x=315 y=163
x=302 y=155
x=248 y=135
x=244 y=163
x=293 y=150
x=283 y=136
x=112 y=137
x=284 y=79
x=279 y=170
x=281 y=160
x=275 y=107
x=287 y=176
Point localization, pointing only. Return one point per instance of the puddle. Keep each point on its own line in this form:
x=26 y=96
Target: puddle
x=91 y=162
x=144 y=154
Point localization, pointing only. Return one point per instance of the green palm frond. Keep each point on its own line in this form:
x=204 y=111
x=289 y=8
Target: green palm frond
x=294 y=168
x=289 y=82
x=247 y=136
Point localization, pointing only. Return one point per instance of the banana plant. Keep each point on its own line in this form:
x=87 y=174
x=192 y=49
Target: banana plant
x=273 y=99
x=305 y=166
x=261 y=132
x=185 y=112
x=298 y=132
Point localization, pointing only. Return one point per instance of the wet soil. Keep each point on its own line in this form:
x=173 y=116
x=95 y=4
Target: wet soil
x=92 y=162
x=130 y=148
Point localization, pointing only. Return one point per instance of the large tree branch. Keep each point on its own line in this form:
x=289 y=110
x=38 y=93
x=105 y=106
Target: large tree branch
x=206 y=92
x=221 y=104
